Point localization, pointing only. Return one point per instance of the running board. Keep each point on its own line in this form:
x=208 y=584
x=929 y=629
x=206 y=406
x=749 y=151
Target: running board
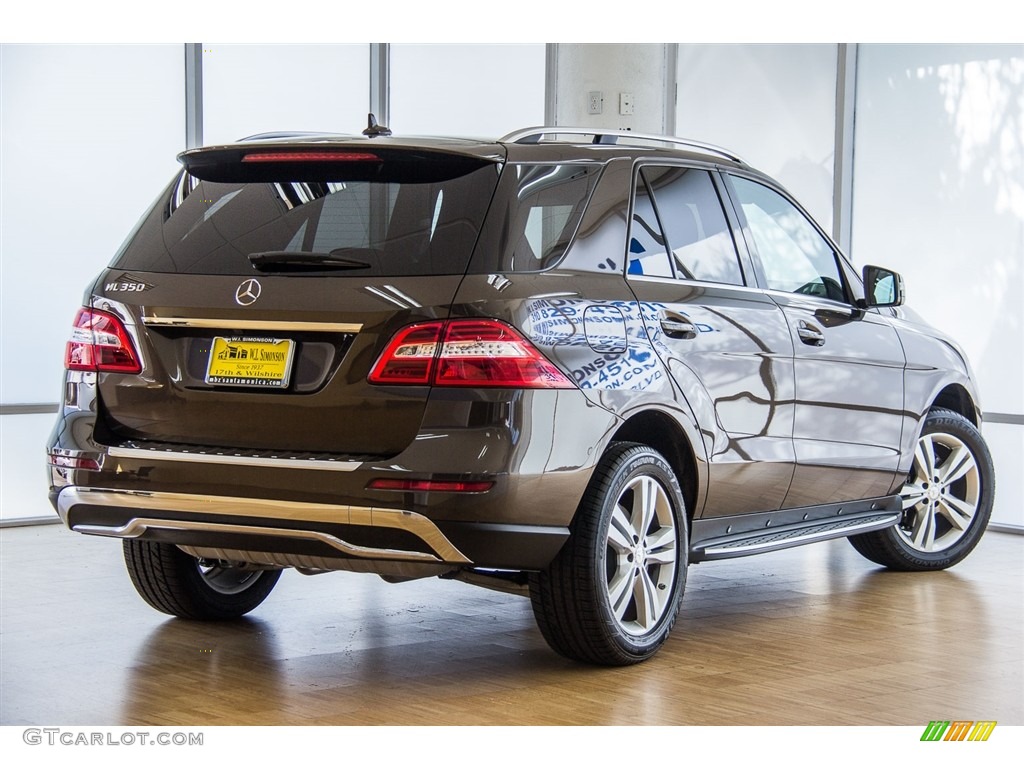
x=714 y=539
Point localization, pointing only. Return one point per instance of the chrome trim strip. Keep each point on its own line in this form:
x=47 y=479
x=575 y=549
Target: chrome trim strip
x=249 y=325
x=722 y=551
x=231 y=506
x=139 y=525
x=144 y=454
x=688 y=283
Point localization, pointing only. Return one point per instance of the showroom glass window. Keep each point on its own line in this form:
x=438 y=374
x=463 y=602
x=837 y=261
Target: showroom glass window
x=795 y=256
x=696 y=231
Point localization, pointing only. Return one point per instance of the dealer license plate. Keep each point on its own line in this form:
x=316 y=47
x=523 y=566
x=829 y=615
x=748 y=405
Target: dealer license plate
x=250 y=362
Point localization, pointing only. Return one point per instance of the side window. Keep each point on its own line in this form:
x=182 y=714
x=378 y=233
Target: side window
x=796 y=258
x=695 y=225
x=551 y=201
x=648 y=254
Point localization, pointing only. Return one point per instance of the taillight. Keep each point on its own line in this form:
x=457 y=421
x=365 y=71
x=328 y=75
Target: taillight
x=409 y=356
x=74 y=462
x=99 y=342
x=486 y=353
x=465 y=353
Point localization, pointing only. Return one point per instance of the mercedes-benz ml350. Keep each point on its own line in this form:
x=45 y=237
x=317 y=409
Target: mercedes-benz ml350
x=567 y=363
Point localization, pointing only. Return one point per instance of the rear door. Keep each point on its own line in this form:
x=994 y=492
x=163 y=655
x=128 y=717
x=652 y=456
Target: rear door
x=264 y=283
x=726 y=344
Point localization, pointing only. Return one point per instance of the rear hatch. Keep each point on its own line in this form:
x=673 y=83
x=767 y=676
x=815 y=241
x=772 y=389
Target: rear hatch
x=265 y=281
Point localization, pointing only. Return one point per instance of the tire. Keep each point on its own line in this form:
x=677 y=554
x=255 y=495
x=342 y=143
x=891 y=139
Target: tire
x=947 y=499
x=612 y=594
x=177 y=583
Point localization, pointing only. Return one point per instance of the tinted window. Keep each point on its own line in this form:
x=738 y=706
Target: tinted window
x=795 y=257
x=695 y=226
x=648 y=251
x=420 y=225
x=544 y=211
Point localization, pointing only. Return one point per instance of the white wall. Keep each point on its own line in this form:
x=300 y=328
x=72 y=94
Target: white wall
x=611 y=69
x=23 y=482
x=249 y=89
x=939 y=196
x=466 y=90
x=772 y=104
x=88 y=136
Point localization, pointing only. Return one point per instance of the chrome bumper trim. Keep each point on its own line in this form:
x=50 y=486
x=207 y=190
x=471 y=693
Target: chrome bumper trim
x=230 y=506
x=249 y=325
x=145 y=454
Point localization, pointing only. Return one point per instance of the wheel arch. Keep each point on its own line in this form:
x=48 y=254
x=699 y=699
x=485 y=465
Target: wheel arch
x=955 y=397
x=927 y=538
x=664 y=434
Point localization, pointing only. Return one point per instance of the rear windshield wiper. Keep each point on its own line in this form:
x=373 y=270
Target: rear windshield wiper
x=302 y=261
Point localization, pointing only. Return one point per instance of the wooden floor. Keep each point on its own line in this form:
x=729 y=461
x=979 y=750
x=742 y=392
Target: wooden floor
x=814 y=636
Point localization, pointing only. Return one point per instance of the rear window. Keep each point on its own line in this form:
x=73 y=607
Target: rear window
x=383 y=218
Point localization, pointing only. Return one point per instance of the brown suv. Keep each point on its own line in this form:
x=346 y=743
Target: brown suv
x=563 y=363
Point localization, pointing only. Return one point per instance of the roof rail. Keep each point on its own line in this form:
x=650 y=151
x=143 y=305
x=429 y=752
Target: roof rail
x=604 y=136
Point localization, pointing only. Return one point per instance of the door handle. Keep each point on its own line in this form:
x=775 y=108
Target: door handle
x=810 y=334
x=678 y=328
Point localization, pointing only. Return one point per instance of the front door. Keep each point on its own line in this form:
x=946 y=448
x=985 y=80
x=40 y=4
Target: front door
x=848 y=362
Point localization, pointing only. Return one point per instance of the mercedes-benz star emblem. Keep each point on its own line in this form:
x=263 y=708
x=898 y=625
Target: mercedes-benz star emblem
x=248 y=292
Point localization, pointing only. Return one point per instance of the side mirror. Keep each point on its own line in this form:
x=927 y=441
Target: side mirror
x=882 y=287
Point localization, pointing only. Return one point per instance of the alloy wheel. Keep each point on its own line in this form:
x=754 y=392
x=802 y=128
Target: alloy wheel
x=641 y=556
x=941 y=498
x=226 y=580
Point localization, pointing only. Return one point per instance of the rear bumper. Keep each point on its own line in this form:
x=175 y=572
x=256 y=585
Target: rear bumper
x=323 y=531
x=538 y=451
x=136 y=513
